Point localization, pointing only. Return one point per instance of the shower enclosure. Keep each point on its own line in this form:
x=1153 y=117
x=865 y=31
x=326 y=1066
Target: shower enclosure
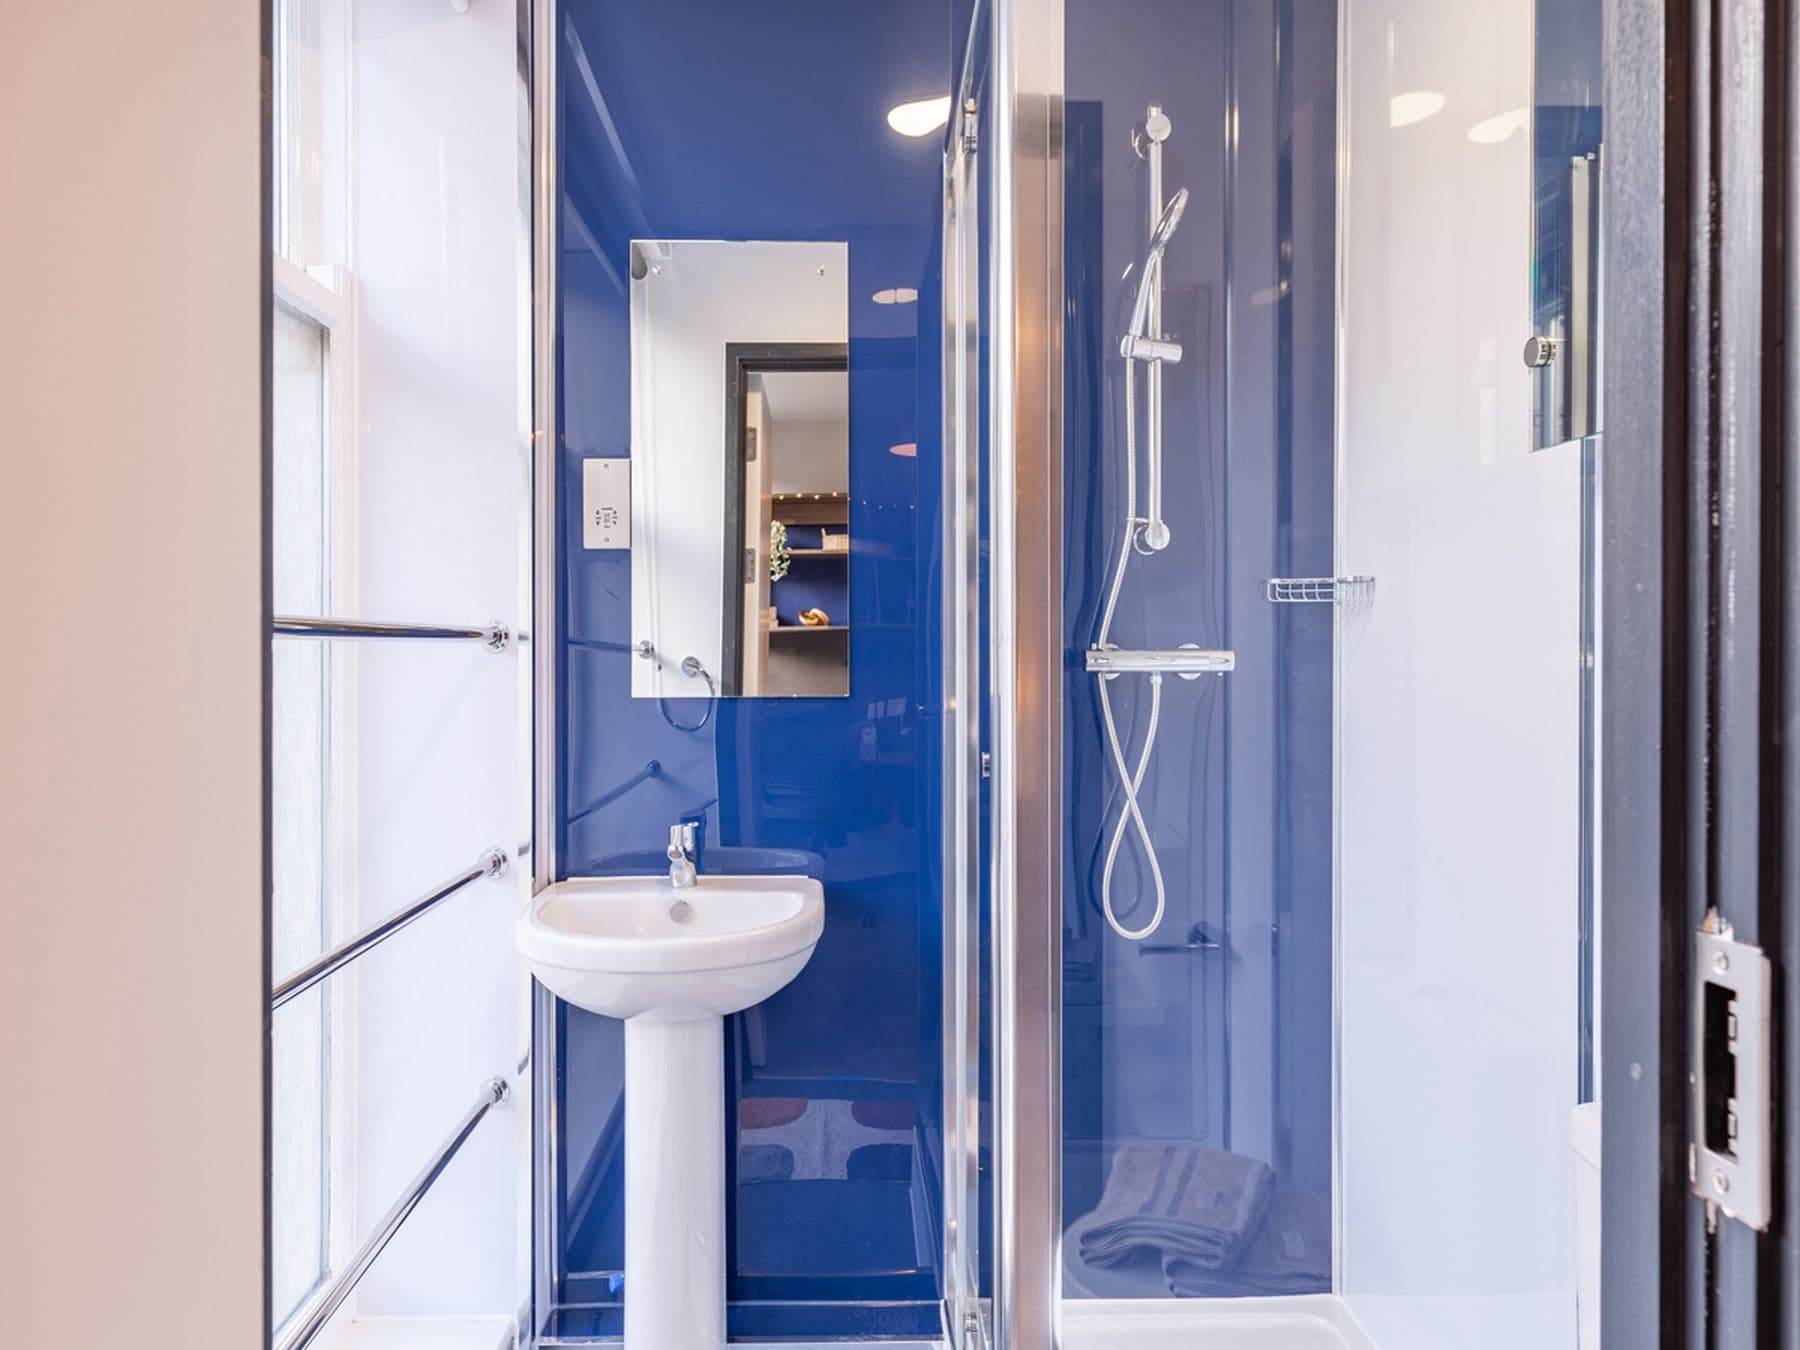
x=1163 y=236
x=1270 y=1014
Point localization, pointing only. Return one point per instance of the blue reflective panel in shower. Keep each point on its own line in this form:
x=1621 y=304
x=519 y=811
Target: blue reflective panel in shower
x=1197 y=1061
x=711 y=119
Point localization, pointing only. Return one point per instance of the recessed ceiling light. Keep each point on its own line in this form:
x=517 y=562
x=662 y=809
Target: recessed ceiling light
x=895 y=295
x=1493 y=130
x=906 y=450
x=1405 y=109
x=921 y=117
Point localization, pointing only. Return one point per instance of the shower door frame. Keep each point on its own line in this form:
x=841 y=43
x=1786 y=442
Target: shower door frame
x=1026 y=622
x=965 y=1315
x=540 y=1164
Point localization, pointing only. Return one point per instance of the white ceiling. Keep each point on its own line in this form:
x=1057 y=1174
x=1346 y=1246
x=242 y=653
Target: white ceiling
x=806 y=395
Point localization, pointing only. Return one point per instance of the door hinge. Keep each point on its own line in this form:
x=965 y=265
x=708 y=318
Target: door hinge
x=970 y=124
x=1729 y=1147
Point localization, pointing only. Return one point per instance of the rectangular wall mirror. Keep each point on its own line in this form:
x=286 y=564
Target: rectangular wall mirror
x=740 y=482
x=1567 y=160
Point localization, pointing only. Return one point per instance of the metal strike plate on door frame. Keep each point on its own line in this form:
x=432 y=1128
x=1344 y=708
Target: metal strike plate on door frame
x=1729 y=1156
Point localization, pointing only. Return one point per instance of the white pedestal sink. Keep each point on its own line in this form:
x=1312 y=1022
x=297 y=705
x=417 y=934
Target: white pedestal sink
x=672 y=962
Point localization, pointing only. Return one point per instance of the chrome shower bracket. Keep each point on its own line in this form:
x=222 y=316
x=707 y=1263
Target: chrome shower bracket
x=1147 y=136
x=1149 y=349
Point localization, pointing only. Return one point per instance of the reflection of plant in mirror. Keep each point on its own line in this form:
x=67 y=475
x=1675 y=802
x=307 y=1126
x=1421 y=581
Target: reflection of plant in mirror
x=779 y=557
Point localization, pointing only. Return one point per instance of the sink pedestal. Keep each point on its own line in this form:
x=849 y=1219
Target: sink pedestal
x=674 y=1184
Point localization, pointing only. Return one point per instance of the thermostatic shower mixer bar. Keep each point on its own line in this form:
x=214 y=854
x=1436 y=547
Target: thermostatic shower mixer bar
x=1188 y=662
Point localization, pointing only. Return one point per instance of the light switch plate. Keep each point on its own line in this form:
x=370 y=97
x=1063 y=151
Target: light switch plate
x=606 y=503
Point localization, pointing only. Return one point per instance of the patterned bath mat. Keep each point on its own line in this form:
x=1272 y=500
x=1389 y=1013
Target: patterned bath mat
x=824 y=1139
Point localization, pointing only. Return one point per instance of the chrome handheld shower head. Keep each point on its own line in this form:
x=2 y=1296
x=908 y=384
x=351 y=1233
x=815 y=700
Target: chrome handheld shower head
x=1159 y=240
x=1170 y=218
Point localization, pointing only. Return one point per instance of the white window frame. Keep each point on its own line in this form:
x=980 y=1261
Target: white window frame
x=326 y=294
x=328 y=302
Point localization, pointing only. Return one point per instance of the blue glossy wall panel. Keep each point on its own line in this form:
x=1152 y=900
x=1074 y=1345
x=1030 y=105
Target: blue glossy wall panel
x=704 y=119
x=1215 y=1033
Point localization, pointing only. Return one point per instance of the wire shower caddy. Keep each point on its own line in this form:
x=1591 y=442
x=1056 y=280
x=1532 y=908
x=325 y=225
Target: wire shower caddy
x=1321 y=590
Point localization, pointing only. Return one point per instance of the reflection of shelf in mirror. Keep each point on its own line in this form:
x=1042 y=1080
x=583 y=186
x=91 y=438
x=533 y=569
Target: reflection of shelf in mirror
x=818 y=553
x=811 y=508
x=810 y=628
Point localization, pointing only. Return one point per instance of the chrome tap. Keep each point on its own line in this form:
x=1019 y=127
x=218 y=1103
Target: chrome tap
x=681 y=855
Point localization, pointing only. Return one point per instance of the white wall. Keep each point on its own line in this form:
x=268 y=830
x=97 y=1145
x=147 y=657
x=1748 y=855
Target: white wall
x=132 y=989
x=1457 y=942
x=810 y=456
x=706 y=295
x=441 y=487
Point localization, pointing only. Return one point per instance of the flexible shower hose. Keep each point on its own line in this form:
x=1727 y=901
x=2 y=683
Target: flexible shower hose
x=1130 y=780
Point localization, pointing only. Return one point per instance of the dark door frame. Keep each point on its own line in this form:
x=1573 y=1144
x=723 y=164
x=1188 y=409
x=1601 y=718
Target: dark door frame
x=742 y=360
x=1700 y=739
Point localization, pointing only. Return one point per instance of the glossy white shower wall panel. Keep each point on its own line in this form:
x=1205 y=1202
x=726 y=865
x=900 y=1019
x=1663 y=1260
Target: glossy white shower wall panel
x=1459 y=708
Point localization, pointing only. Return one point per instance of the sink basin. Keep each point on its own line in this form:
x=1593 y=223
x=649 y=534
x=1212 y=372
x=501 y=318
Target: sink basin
x=639 y=947
x=672 y=962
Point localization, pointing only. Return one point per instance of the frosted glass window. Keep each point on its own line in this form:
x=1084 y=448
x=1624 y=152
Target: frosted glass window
x=311 y=136
x=299 y=747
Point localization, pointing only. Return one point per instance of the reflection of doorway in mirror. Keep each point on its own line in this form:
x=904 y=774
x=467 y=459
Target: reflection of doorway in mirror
x=787 y=620
x=806 y=434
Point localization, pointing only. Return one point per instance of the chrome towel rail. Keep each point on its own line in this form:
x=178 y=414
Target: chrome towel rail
x=489 y=864
x=493 y=1092
x=496 y=636
x=651 y=769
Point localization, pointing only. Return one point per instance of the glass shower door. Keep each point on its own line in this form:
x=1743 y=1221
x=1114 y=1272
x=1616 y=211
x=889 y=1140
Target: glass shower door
x=1162 y=967
x=1197 y=1046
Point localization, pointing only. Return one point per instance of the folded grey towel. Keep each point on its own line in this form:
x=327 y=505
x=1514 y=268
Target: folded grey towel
x=1197 y=1205
x=1289 y=1254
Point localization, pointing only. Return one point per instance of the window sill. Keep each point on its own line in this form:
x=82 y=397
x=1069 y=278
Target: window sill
x=419 y=1333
